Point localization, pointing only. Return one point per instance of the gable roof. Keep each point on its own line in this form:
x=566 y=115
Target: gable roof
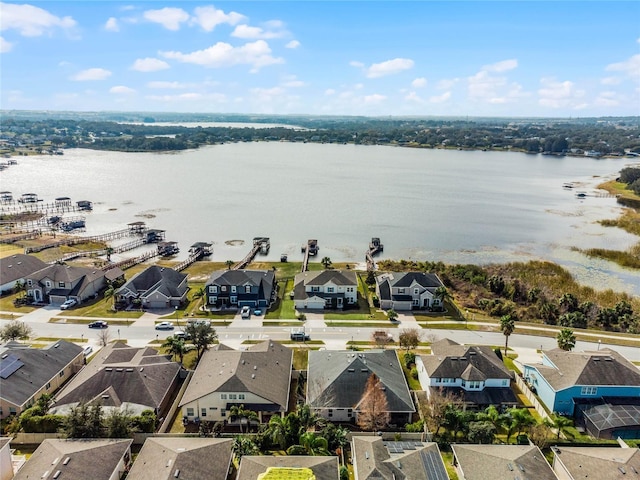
x=263 y=369
x=418 y=461
x=324 y=468
x=599 y=462
x=119 y=374
x=502 y=462
x=469 y=362
x=19 y=266
x=36 y=367
x=242 y=277
x=406 y=279
x=82 y=277
x=88 y=459
x=157 y=279
x=182 y=457
x=337 y=379
x=603 y=367
x=319 y=278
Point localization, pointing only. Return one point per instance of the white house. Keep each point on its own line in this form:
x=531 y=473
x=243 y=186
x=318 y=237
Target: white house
x=408 y=290
x=325 y=289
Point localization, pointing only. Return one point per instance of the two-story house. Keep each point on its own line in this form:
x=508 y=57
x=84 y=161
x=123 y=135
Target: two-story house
x=408 y=290
x=17 y=268
x=258 y=378
x=57 y=283
x=239 y=288
x=473 y=373
x=565 y=379
x=325 y=289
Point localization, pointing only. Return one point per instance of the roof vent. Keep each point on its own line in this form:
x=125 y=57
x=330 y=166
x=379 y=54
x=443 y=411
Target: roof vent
x=168 y=463
x=243 y=361
x=56 y=345
x=176 y=474
x=255 y=367
x=57 y=474
x=45 y=474
x=253 y=375
x=520 y=467
x=4 y=356
x=510 y=467
x=119 y=369
x=141 y=369
x=366 y=455
x=129 y=369
x=622 y=470
x=55 y=461
x=66 y=460
x=351 y=370
x=108 y=369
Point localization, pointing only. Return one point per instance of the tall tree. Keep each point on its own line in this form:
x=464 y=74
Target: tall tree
x=434 y=410
x=507 y=325
x=15 y=330
x=84 y=421
x=373 y=407
x=326 y=262
x=566 y=339
x=202 y=335
x=175 y=347
x=242 y=415
x=559 y=423
x=409 y=338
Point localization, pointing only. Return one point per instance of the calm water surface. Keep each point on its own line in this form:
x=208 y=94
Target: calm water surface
x=454 y=206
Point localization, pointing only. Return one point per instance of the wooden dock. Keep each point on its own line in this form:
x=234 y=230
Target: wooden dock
x=310 y=249
x=260 y=244
x=76 y=240
x=375 y=247
x=196 y=252
x=130 y=262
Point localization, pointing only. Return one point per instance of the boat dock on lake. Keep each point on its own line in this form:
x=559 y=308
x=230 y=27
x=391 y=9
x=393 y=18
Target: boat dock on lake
x=261 y=245
x=310 y=249
x=375 y=247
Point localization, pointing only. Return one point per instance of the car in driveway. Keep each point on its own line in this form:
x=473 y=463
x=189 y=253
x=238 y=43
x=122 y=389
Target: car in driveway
x=257 y=311
x=245 y=312
x=164 y=326
x=99 y=324
x=72 y=302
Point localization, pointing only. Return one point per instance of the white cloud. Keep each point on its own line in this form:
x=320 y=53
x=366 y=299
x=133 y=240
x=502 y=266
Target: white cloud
x=167 y=85
x=356 y=64
x=246 y=32
x=256 y=54
x=631 y=66
x=31 y=21
x=292 y=44
x=503 y=66
x=440 y=98
x=390 y=67
x=188 y=97
x=5 y=46
x=209 y=17
x=419 y=82
x=292 y=81
x=112 y=25
x=329 y=92
x=556 y=94
x=447 y=83
x=611 y=81
x=607 y=99
x=121 y=90
x=149 y=65
x=413 y=97
x=374 y=99
x=91 y=74
x=169 y=18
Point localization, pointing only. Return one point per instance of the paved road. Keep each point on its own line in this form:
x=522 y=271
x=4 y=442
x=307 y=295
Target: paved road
x=142 y=331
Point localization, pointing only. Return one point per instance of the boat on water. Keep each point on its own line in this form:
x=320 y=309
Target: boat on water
x=581 y=195
x=567 y=185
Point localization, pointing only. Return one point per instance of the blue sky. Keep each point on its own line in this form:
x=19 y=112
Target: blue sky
x=501 y=58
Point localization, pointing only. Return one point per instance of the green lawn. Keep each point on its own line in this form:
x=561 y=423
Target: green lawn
x=283 y=307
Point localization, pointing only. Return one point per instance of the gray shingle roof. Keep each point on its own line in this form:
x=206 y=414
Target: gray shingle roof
x=122 y=373
x=324 y=468
x=599 y=462
x=604 y=367
x=406 y=279
x=192 y=458
x=19 y=266
x=319 y=278
x=81 y=277
x=337 y=379
x=91 y=459
x=162 y=279
x=263 y=369
x=502 y=462
x=40 y=366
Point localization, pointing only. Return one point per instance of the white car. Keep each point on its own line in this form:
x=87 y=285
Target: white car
x=245 y=312
x=87 y=350
x=68 y=304
x=164 y=326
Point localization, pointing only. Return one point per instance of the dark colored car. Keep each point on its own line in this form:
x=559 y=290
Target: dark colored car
x=98 y=324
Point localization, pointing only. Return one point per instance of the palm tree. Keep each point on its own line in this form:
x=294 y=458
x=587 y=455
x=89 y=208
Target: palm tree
x=314 y=444
x=278 y=430
x=521 y=418
x=229 y=264
x=326 y=263
x=110 y=293
x=507 y=325
x=441 y=294
x=176 y=347
x=566 y=339
x=109 y=251
x=392 y=315
x=558 y=423
x=492 y=415
x=243 y=415
x=309 y=420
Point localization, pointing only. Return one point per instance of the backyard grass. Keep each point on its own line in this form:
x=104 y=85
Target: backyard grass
x=447 y=457
x=508 y=361
x=6 y=304
x=53 y=339
x=300 y=358
x=283 y=307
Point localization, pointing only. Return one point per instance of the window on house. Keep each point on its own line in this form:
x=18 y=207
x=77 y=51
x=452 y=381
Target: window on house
x=223 y=413
x=213 y=299
x=223 y=396
x=189 y=412
x=331 y=289
x=223 y=288
x=60 y=284
x=315 y=289
x=61 y=374
x=234 y=299
x=48 y=385
x=416 y=302
x=247 y=289
x=416 y=291
x=48 y=284
x=12 y=410
x=203 y=412
x=30 y=283
x=401 y=290
x=589 y=391
x=350 y=289
x=213 y=289
x=330 y=413
x=233 y=289
x=232 y=396
x=241 y=396
x=505 y=383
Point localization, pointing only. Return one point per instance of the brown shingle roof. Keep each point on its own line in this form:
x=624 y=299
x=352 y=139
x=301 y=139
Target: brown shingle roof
x=599 y=462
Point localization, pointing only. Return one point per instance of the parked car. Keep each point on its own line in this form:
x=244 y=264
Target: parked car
x=99 y=324
x=299 y=337
x=87 y=350
x=245 y=312
x=72 y=302
x=164 y=326
x=257 y=311
x=182 y=335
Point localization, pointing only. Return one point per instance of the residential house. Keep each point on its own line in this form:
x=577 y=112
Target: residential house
x=155 y=287
x=337 y=379
x=239 y=288
x=610 y=418
x=408 y=291
x=475 y=374
x=123 y=377
x=267 y=467
x=325 y=289
x=6 y=465
x=372 y=457
x=258 y=378
x=573 y=463
x=27 y=373
x=57 y=283
x=79 y=459
x=566 y=379
x=16 y=268
x=164 y=458
x=501 y=462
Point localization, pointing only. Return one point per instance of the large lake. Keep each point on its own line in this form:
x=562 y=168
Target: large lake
x=454 y=206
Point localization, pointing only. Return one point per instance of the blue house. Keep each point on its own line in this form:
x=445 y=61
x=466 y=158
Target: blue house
x=565 y=380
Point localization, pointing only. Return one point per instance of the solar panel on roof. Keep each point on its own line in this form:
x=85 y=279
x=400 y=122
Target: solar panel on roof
x=433 y=465
x=9 y=365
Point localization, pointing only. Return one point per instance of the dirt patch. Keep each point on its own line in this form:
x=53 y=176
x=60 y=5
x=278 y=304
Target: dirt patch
x=234 y=243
